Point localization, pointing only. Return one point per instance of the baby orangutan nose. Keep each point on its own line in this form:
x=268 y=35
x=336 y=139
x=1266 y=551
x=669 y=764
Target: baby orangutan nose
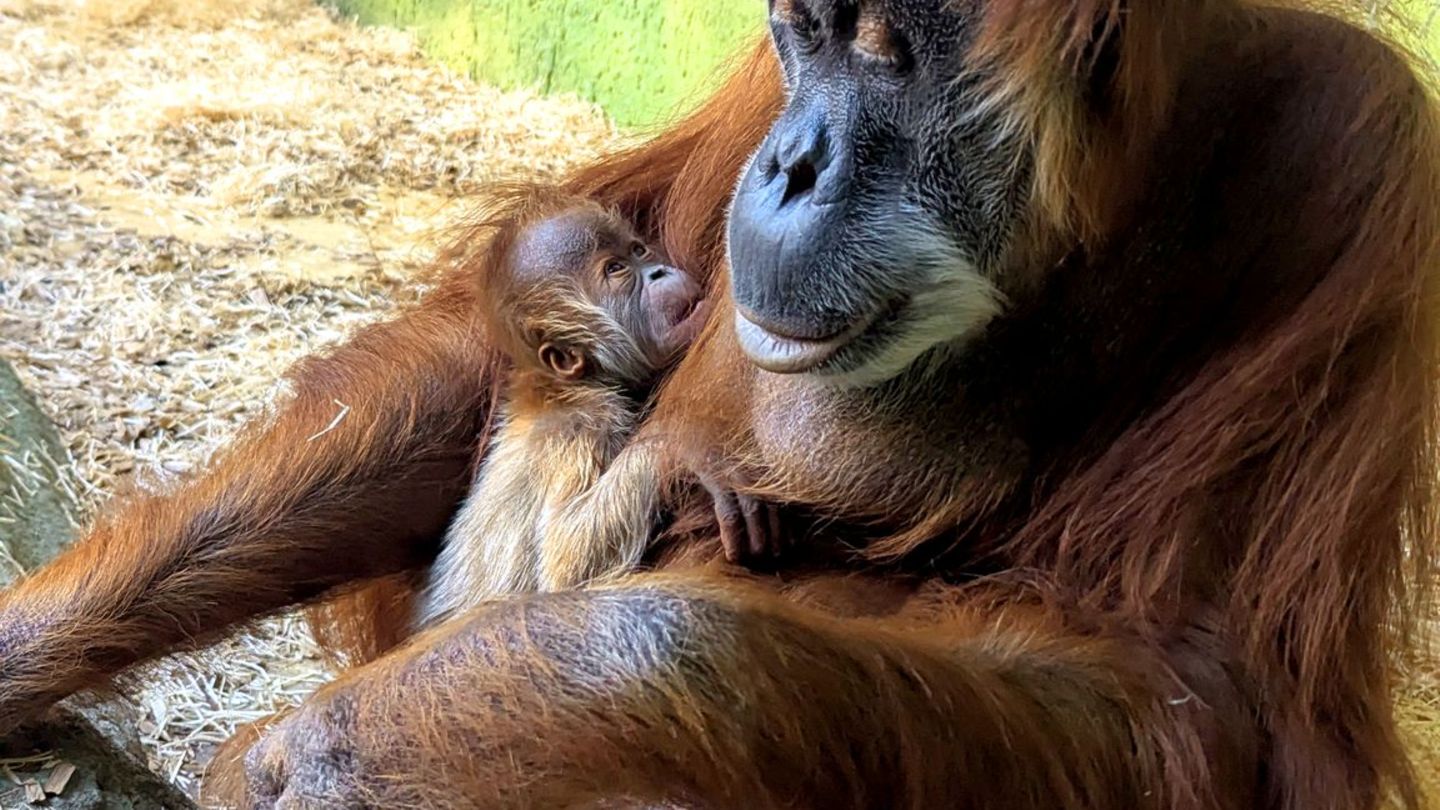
x=679 y=302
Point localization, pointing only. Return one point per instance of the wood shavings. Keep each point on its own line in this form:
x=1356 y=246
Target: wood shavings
x=334 y=423
x=57 y=780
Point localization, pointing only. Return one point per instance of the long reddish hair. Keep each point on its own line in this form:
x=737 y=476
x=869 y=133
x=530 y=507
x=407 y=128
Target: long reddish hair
x=1300 y=459
x=1281 y=491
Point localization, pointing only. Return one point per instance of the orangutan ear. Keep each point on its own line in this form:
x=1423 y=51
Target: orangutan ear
x=563 y=362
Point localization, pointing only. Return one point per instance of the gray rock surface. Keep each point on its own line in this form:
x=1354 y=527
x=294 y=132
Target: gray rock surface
x=95 y=737
x=98 y=739
x=36 y=507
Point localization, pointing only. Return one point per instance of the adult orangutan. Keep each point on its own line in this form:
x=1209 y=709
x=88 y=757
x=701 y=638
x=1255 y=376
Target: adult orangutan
x=1097 y=336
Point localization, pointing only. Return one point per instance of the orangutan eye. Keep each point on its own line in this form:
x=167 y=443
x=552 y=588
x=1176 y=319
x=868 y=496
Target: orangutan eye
x=639 y=252
x=615 y=267
x=877 y=40
x=805 y=26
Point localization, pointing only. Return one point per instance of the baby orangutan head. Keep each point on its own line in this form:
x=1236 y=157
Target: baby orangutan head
x=580 y=297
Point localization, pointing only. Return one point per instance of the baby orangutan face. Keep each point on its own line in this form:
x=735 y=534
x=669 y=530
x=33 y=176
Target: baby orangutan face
x=633 y=313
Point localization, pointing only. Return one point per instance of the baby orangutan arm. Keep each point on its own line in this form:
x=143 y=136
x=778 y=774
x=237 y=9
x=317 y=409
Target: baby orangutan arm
x=490 y=550
x=751 y=528
x=605 y=528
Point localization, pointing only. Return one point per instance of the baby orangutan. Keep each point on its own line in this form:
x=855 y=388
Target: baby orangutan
x=589 y=317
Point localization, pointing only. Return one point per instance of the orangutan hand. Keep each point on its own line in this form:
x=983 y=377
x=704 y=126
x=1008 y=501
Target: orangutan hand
x=751 y=529
x=308 y=760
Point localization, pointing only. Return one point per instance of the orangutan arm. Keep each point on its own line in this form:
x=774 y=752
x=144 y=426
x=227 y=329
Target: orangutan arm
x=354 y=477
x=712 y=695
x=604 y=529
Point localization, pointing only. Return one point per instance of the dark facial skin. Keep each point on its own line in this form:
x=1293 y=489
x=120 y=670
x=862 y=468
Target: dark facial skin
x=659 y=306
x=869 y=226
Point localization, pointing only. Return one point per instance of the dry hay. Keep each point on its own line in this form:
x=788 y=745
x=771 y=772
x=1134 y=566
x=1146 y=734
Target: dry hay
x=194 y=195
x=1418 y=713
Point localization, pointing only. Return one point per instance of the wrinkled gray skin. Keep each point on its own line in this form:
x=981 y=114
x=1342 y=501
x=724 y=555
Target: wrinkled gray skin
x=871 y=224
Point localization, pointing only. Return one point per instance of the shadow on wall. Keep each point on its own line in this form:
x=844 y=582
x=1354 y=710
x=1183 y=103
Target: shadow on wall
x=642 y=60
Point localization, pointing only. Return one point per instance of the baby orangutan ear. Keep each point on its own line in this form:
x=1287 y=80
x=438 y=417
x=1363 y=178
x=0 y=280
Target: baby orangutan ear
x=566 y=363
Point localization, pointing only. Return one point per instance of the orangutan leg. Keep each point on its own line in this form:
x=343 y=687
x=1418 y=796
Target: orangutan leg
x=354 y=477
x=710 y=695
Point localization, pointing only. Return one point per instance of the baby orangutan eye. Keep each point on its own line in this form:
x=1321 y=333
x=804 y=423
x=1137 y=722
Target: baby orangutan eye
x=615 y=267
x=639 y=252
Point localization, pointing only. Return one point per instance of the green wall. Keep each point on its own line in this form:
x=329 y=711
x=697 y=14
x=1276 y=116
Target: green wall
x=1426 y=16
x=642 y=60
